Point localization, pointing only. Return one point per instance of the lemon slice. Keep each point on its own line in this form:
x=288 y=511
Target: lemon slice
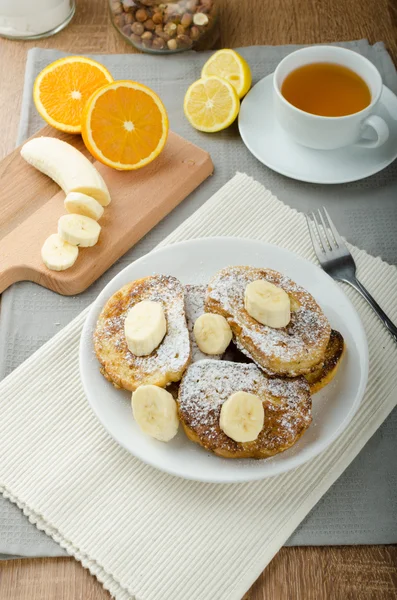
x=230 y=66
x=211 y=104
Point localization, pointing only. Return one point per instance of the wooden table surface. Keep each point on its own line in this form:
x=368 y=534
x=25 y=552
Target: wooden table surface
x=324 y=573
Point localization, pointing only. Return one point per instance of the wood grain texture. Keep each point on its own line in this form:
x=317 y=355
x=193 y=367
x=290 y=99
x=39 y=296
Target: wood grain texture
x=30 y=209
x=312 y=573
x=331 y=573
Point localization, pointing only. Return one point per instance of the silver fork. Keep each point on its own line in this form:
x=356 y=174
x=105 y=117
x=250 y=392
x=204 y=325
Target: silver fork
x=337 y=261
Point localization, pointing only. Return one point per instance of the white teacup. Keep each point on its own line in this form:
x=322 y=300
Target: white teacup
x=328 y=133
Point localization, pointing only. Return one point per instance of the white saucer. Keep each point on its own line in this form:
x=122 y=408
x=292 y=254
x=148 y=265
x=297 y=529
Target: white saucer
x=271 y=145
x=195 y=261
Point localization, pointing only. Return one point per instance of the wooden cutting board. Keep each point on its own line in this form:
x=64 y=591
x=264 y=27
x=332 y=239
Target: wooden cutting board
x=31 y=204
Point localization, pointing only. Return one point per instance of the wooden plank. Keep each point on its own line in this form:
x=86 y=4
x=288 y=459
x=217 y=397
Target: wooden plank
x=307 y=573
x=30 y=208
x=329 y=573
x=48 y=579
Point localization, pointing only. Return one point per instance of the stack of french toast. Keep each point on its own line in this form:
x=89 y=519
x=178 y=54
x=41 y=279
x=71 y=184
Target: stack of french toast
x=236 y=361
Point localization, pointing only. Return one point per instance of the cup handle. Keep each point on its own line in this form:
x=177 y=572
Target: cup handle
x=381 y=130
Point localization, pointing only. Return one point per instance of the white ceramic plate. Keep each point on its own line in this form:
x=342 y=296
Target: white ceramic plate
x=272 y=146
x=196 y=261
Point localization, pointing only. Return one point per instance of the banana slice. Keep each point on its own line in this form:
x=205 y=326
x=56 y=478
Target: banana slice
x=145 y=327
x=78 y=230
x=267 y=303
x=81 y=204
x=212 y=333
x=242 y=417
x=68 y=167
x=57 y=254
x=155 y=411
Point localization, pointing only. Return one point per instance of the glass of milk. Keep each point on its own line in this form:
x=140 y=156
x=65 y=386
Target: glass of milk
x=33 y=19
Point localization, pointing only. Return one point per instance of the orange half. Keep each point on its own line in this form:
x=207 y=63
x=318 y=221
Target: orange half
x=62 y=89
x=125 y=125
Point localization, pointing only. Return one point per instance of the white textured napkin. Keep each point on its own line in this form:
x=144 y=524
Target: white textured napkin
x=147 y=535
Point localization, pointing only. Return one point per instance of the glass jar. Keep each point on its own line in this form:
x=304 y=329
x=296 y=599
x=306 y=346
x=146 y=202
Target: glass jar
x=27 y=20
x=166 y=27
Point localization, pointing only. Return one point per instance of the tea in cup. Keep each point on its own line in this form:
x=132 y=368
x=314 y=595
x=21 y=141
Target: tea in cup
x=325 y=97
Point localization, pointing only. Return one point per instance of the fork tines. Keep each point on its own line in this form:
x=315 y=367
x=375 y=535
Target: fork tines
x=323 y=232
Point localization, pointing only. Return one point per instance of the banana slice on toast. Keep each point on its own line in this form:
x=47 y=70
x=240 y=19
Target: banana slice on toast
x=321 y=374
x=208 y=384
x=168 y=361
x=288 y=351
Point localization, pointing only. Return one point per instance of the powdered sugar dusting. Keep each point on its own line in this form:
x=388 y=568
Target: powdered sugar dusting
x=171 y=356
x=207 y=384
x=194 y=306
x=290 y=350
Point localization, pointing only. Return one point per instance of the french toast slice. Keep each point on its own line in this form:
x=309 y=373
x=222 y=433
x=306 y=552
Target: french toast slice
x=168 y=361
x=324 y=373
x=321 y=374
x=207 y=384
x=319 y=377
x=289 y=351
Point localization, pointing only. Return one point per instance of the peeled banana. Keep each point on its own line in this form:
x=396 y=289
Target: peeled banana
x=68 y=167
x=242 y=417
x=155 y=411
x=212 y=333
x=57 y=254
x=81 y=204
x=145 y=327
x=267 y=303
x=78 y=230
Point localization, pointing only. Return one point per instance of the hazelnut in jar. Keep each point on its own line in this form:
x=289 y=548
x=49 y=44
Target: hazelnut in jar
x=166 y=27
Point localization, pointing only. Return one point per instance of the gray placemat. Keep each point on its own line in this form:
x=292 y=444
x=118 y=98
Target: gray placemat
x=361 y=507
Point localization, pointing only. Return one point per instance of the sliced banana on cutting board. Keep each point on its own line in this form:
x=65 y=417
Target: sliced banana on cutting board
x=79 y=230
x=267 y=303
x=145 y=327
x=80 y=204
x=57 y=254
x=67 y=166
x=242 y=417
x=212 y=333
x=86 y=194
x=155 y=411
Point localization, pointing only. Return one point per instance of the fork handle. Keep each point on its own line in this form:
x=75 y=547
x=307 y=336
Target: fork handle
x=379 y=311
